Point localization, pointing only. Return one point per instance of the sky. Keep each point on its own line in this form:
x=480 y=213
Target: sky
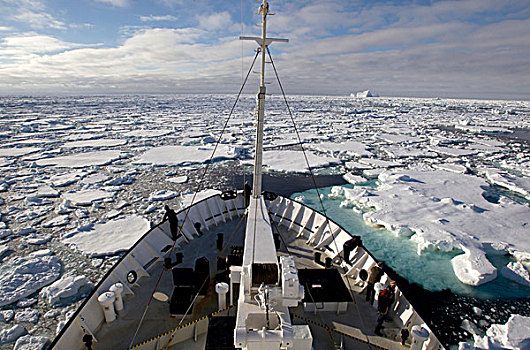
x=456 y=49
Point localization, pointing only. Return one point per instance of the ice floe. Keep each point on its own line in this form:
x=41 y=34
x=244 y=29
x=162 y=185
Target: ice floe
x=82 y=160
x=95 y=143
x=30 y=342
x=108 y=238
x=445 y=211
x=64 y=288
x=515 y=334
x=87 y=197
x=516 y=271
x=9 y=335
x=294 y=162
x=179 y=155
x=21 y=276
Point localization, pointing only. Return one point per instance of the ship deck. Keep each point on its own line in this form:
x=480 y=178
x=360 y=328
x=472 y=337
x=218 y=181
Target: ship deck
x=353 y=328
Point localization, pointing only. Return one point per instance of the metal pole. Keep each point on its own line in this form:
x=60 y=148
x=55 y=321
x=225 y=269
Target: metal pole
x=258 y=157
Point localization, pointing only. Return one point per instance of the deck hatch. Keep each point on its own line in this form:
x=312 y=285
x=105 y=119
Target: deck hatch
x=323 y=286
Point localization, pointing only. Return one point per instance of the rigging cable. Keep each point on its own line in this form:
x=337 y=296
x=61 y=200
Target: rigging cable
x=193 y=199
x=314 y=184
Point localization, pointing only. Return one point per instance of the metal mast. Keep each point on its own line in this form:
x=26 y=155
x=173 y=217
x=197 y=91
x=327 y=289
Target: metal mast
x=258 y=157
x=263 y=43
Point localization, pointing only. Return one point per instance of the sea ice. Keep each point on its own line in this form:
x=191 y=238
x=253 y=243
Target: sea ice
x=87 y=197
x=66 y=179
x=162 y=195
x=148 y=133
x=18 y=151
x=6 y=315
x=82 y=160
x=108 y=238
x=27 y=315
x=178 y=155
x=30 y=342
x=516 y=271
x=38 y=239
x=473 y=267
x=178 y=179
x=95 y=143
x=63 y=288
x=23 y=276
x=515 y=334
x=187 y=198
x=445 y=211
x=47 y=191
x=94 y=179
x=519 y=185
x=350 y=148
x=353 y=179
x=9 y=335
x=287 y=161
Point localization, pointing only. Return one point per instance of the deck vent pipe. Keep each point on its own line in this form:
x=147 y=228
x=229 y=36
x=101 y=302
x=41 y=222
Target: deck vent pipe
x=221 y=289
x=419 y=336
x=106 y=300
x=117 y=289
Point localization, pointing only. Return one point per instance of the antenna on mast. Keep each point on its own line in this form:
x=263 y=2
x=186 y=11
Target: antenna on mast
x=263 y=43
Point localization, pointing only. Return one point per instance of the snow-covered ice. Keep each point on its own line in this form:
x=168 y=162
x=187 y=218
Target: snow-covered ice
x=97 y=143
x=446 y=211
x=162 y=195
x=30 y=342
x=20 y=276
x=87 y=197
x=515 y=334
x=108 y=238
x=179 y=155
x=63 y=288
x=294 y=161
x=9 y=335
x=471 y=193
x=82 y=160
x=516 y=271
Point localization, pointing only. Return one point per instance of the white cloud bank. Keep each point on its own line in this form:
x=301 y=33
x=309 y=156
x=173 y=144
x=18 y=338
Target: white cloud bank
x=335 y=48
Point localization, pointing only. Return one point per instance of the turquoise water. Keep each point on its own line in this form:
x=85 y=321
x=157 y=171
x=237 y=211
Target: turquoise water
x=432 y=270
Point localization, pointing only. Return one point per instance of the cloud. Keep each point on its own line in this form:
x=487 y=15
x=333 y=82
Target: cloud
x=216 y=21
x=32 y=13
x=5 y=29
x=116 y=3
x=152 y=18
x=448 y=48
x=39 y=20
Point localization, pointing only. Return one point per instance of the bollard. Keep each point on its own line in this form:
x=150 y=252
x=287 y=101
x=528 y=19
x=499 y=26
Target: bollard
x=221 y=289
x=419 y=336
x=328 y=262
x=106 y=300
x=117 y=289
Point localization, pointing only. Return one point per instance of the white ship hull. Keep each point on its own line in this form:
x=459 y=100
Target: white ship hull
x=303 y=231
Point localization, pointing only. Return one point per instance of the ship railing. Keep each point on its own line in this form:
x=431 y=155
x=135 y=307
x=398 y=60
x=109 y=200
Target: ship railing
x=328 y=237
x=139 y=261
